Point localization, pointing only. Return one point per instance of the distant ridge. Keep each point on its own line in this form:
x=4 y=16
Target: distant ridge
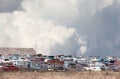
x=7 y=50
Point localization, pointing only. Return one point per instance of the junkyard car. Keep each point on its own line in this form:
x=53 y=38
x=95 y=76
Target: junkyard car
x=9 y=67
x=38 y=67
x=115 y=68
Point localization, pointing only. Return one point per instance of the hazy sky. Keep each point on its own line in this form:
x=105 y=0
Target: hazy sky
x=88 y=27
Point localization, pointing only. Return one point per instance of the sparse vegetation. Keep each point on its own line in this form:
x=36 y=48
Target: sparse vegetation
x=60 y=75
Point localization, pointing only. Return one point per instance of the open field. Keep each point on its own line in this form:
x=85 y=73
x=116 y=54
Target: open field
x=60 y=75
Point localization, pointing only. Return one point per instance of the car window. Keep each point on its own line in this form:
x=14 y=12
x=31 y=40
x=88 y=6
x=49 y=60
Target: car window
x=1 y=63
x=38 y=65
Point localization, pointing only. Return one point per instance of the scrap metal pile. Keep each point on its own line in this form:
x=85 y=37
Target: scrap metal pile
x=17 y=62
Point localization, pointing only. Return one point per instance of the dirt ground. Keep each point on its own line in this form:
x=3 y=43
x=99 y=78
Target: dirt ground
x=60 y=75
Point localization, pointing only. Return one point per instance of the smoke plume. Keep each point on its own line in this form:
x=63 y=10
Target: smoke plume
x=62 y=26
x=29 y=28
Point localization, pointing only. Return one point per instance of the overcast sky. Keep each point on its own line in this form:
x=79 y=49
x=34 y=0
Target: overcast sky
x=61 y=26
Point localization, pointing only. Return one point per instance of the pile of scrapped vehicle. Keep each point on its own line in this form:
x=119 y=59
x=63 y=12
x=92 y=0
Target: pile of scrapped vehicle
x=57 y=63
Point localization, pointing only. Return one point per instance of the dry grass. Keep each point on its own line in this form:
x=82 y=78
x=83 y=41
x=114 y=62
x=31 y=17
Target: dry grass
x=60 y=75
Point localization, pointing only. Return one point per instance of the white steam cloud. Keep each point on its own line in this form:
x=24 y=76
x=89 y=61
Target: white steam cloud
x=28 y=28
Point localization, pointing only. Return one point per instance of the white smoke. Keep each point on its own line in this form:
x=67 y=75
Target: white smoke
x=51 y=24
x=20 y=29
x=82 y=43
x=27 y=28
x=52 y=9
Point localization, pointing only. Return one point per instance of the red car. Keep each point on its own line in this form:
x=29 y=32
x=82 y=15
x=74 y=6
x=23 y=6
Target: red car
x=9 y=67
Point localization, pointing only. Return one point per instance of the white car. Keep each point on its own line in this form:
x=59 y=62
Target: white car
x=92 y=67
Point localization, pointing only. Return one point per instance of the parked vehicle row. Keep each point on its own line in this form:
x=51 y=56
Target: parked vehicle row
x=57 y=63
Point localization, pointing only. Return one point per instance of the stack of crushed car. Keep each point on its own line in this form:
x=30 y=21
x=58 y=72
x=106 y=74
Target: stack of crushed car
x=17 y=62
